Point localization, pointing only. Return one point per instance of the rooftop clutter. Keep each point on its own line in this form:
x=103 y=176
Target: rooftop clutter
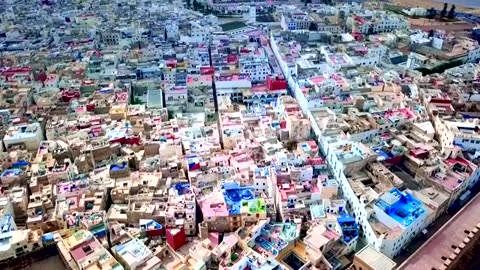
x=182 y=142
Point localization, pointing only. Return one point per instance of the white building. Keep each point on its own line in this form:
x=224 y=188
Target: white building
x=176 y=96
x=171 y=29
x=404 y=215
x=263 y=183
x=269 y=92
x=252 y=14
x=198 y=56
x=14 y=244
x=125 y=36
x=295 y=21
x=232 y=86
x=376 y=22
x=7 y=222
x=231 y=129
x=257 y=67
x=458 y=133
x=372 y=55
x=336 y=60
x=201 y=32
x=30 y=135
x=395 y=226
x=420 y=12
x=124 y=251
x=416 y=60
x=8 y=14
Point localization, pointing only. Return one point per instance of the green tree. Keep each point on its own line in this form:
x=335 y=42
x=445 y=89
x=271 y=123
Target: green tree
x=291 y=145
x=137 y=101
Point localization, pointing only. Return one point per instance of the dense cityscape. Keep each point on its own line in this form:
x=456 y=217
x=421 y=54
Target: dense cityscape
x=239 y=135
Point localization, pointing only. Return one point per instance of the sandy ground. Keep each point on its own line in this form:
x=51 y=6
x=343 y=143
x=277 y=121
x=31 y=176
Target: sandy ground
x=431 y=3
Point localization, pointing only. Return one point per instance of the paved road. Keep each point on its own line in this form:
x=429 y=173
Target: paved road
x=447 y=27
x=419 y=241
x=271 y=56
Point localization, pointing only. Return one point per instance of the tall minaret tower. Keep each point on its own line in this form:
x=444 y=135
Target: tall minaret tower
x=253 y=13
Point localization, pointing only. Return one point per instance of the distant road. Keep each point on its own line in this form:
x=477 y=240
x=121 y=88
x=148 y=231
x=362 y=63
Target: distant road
x=52 y=263
x=463 y=3
x=444 y=242
x=437 y=4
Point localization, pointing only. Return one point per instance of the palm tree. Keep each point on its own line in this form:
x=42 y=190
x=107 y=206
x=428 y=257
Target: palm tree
x=451 y=13
x=443 y=13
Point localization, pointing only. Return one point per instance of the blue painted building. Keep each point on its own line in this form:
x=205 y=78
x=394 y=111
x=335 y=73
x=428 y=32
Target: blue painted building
x=349 y=227
x=402 y=208
x=235 y=195
x=402 y=217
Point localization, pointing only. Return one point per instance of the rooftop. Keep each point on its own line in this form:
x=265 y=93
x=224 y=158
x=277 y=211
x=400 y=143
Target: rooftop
x=349 y=227
x=85 y=249
x=274 y=237
x=214 y=205
x=402 y=207
x=237 y=196
x=375 y=259
x=349 y=153
x=77 y=238
x=133 y=252
x=21 y=132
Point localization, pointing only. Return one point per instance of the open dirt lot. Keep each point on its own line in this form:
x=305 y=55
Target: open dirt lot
x=431 y=3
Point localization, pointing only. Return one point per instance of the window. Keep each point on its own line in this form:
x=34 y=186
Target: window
x=87 y=249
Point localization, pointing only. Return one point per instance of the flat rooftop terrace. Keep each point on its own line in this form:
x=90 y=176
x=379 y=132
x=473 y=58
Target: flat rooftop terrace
x=429 y=255
x=402 y=207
